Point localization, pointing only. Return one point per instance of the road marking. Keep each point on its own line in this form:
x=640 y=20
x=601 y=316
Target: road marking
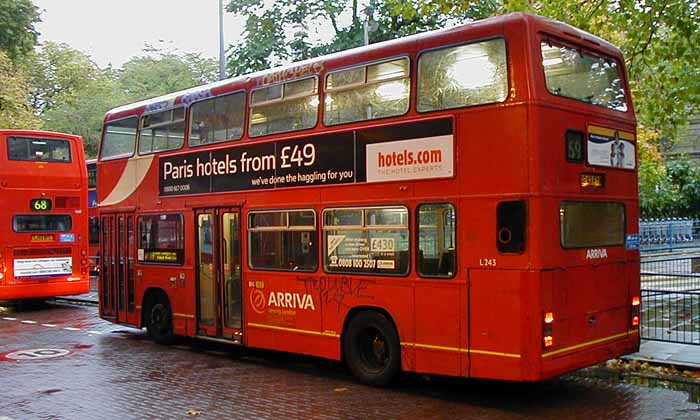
x=94 y=332
x=71 y=329
x=27 y=321
x=36 y=354
x=48 y=325
x=7 y=318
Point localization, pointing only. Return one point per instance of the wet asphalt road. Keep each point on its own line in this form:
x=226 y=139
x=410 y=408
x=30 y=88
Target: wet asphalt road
x=112 y=372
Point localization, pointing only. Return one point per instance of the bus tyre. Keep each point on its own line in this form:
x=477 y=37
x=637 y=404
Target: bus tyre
x=372 y=349
x=159 y=321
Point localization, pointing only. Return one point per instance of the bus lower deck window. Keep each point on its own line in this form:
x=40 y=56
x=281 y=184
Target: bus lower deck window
x=437 y=240
x=283 y=240
x=373 y=240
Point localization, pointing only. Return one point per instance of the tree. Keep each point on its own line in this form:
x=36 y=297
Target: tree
x=18 y=36
x=289 y=30
x=159 y=72
x=15 y=111
x=58 y=74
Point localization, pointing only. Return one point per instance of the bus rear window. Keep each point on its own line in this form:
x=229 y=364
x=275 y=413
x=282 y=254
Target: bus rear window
x=577 y=75
x=34 y=149
x=42 y=223
x=587 y=224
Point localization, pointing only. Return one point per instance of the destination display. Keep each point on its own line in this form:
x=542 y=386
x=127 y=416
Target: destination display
x=402 y=152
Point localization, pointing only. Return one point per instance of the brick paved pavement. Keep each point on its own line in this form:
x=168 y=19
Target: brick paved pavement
x=114 y=372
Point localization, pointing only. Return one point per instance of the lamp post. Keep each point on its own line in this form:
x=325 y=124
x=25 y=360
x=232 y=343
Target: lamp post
x=222 y=59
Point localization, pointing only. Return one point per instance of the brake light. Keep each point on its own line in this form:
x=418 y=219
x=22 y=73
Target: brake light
x=548 y=341
x=547 y=330
x=634 y=312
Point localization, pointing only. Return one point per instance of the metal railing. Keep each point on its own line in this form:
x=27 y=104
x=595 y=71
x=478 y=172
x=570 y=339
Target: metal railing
x=671 y=316
x=671 y=299
x=669 y=234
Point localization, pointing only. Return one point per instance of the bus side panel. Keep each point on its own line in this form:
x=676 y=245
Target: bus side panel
x=496 y=310
x=438 y=327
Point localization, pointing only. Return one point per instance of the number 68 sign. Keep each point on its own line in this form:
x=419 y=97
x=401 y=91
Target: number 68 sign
x=40 y=204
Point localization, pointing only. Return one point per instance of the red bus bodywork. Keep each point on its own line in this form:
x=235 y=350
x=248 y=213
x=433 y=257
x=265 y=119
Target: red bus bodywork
x=50 y=261
x=488 y=320
x=93 y=219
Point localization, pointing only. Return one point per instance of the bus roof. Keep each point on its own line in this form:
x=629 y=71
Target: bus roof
x=186 y=96
x=22 y=132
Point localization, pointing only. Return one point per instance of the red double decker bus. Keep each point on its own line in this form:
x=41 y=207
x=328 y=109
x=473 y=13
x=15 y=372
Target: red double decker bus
x=43 y=184
x=461 y=202
x=93 y=219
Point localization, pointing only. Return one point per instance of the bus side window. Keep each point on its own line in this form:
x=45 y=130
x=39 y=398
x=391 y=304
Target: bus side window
x=437 y=240
x=510 y=227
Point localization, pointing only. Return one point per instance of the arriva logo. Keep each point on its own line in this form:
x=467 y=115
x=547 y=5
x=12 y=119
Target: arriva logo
x=280 y=300
x=593 y=254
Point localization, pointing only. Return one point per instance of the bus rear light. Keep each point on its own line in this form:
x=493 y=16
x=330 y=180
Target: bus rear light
x=83 y=270
x=83 y=252
x=635 y=318
x=548 y=341
x=548 y=329
x=84 y=261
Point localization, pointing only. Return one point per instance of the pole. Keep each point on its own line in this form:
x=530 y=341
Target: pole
x=222 y=59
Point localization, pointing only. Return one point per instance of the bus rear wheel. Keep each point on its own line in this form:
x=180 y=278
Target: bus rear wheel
x=372 y=349
x=159 y=320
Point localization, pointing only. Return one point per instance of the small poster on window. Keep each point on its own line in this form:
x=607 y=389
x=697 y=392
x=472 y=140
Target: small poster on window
x=611 y=148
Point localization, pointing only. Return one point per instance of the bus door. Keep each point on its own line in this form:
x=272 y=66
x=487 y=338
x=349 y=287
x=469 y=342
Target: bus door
x=117 y=274
x=219 y=303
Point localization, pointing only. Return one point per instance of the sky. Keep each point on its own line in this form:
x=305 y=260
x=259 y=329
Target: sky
x=112 y=31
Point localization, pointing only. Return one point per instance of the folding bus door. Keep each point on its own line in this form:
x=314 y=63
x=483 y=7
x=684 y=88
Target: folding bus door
x=219 y=304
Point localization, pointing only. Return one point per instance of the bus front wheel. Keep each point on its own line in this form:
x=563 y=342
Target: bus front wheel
x=159 y=320
x=372 y=349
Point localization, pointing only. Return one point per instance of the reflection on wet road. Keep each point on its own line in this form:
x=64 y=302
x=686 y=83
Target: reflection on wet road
x=75 y=366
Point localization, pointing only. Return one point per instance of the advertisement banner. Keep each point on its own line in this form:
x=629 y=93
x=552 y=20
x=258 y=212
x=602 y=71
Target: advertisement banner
x=31 y=267
x=430 y=157
x=611 y=148
x=421 y=150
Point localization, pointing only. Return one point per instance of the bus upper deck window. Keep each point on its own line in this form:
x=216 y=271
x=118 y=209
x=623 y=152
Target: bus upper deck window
x=284 y=107
x=119 y=138
x=465 y=75
x=367 y=92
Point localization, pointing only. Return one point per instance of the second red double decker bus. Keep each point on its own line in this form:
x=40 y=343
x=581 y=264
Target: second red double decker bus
x=43 y=217
x=461 y=202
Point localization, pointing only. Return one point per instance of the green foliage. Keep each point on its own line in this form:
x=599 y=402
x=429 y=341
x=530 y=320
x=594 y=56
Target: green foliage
x=676 y=193
x=281 y=32
x=58 y=74
x=159 y=72
x=17 y=33
x=15 y=112
x=71 y=93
